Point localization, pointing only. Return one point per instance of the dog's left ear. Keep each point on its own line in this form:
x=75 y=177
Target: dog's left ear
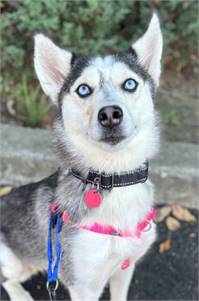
x=149 y=49
x=52 y=65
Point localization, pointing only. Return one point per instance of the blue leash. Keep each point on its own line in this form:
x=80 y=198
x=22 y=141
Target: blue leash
x=52 y=279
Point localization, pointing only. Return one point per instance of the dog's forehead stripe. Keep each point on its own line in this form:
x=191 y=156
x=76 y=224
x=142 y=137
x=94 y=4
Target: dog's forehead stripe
x=79 y=63
x=130 y=58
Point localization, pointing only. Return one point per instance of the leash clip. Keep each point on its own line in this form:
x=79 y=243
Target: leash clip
x=52 y=286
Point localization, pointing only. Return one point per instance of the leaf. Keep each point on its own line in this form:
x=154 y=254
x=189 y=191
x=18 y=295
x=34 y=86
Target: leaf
x=5 y=190
x=165 y=246
x=163 y=213
x=172 y=223
x=183 y=214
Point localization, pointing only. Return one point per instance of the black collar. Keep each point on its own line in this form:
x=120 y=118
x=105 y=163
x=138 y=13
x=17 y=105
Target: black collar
x=108 y=181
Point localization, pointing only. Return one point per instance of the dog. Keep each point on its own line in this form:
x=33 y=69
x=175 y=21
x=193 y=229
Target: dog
x=107 y=126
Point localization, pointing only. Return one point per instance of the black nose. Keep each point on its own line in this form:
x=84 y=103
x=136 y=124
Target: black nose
x=110 y=116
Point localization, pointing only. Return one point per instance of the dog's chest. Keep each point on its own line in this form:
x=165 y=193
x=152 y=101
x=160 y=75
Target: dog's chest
x=122 y=208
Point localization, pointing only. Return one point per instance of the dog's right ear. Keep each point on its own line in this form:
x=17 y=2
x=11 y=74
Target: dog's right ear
x=149 y=49
x=52 y=65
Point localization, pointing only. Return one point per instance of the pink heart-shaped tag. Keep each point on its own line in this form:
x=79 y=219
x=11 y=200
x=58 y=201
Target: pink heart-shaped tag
x=93 y=198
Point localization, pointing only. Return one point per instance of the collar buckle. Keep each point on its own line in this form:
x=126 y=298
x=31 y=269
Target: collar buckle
x=112 y=181
x=97 y=182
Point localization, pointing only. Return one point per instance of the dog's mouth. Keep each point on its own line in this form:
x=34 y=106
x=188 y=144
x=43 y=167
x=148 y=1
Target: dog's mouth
x=112 y=136
x=112 y=139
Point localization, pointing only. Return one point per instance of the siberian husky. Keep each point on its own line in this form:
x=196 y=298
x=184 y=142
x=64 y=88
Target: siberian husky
x=105 y=132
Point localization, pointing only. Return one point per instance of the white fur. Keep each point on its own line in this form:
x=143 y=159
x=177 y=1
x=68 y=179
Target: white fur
x=139 y=122
x=103 y=255
x=11 y=266
x=52 y=65
x=16 y=291
x=13 y=270
x=119 y=284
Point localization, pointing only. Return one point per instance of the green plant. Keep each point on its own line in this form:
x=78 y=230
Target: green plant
x=171 y=119
x=31 y=104
x=92 y=26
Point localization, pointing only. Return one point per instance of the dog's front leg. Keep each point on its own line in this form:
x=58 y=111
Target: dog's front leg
x=16 y=291
x=119 y=284
x=78 y=293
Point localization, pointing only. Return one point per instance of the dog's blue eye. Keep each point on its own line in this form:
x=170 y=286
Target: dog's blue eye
x=83 y=90
x=130 y=85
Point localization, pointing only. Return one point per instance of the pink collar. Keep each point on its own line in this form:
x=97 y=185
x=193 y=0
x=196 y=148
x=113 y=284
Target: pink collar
x=108 y=229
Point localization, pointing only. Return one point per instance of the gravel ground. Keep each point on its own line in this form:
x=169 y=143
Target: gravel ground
x=171 y=275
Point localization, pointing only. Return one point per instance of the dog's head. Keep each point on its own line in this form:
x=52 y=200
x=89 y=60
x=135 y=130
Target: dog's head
x=106 y=103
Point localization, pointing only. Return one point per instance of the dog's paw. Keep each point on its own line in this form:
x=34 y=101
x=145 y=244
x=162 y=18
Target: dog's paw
x=16 y=291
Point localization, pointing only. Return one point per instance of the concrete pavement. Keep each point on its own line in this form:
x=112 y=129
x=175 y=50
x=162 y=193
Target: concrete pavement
x=26 y=155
